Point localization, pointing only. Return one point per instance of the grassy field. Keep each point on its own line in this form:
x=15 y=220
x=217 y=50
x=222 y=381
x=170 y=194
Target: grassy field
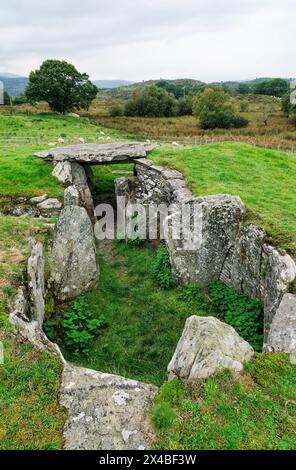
x=268 y=126
x=254 y=411
x=264 y=179
x=22 y=135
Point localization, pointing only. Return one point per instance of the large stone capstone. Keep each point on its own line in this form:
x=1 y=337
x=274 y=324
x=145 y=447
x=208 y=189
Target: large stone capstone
x=97 y=154
x=206 y=347
x=74 y=267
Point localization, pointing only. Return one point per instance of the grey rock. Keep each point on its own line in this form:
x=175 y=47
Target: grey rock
x=71 y=196
x=105 y=412
x=63 y=172
x=206 y=347
x=242 y=267
x=36 y=287
x=38 y=199
x=218 y=219
x=278 y=271
x=74 y=266
x=97 y=154
x=23 y=211
x=50 y=203
x=282 y=334
x=25 y=328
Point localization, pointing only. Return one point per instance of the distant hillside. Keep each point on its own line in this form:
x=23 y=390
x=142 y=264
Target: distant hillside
x=13 y=84
x=186 y=84
x=109 y=84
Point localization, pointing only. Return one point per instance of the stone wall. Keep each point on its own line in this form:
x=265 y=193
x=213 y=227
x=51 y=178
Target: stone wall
x=227 y=249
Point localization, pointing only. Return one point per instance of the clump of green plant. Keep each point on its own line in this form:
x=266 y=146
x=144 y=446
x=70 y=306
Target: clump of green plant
x=163 y=417
x=245 y=315
x=135 y=241
x=171 y=392
x=79 y=328
x=192 y=295
x=162 y=268
x=267 y=368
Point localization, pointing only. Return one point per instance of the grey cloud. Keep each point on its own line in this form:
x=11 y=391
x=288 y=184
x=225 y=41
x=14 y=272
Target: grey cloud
x=32 y=30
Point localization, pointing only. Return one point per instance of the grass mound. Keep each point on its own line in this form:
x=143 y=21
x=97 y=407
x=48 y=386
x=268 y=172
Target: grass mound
x=255 y=411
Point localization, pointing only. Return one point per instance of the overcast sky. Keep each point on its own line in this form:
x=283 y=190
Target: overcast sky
x=140 y=39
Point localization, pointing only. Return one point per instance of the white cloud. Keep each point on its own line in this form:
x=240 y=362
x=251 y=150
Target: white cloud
x=141 y=39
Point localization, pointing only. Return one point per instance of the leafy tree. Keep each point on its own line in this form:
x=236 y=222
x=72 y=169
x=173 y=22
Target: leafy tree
x=61 y=86
x=214 y=108
x=243 y=89
x=116 y=111
x=176 y=90
x=185 y=106
x=22 y=99
x=7 y=99
x=273 y=87
x=152 y=102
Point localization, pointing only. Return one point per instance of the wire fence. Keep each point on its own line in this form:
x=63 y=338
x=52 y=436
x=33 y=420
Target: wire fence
x=8 y=140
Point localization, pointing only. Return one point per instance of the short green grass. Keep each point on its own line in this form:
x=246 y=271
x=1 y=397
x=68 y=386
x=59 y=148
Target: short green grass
x=256 y=410
x=144 y=322
x=22 y=135
x=31 y=417
x=264 y=179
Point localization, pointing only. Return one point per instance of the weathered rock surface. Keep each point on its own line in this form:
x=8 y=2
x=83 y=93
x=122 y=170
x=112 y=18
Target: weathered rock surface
x=282 y=334
x=26 y=328
x=206 y=347
x=98 y=154
x=106 y=412
x=63 y=172
x=49 y=207
x=242 y=267
x=36 y=288
x=38 y=199
x=74 y=266
x=218 y=219
x=278 y=271
x=71 y=196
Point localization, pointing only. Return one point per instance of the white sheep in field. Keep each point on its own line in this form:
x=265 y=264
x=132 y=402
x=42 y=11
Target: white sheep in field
x=82 y=140
x=101 y=138
x=61 y=140
x=102 y=133
x=108 y=138
x=148 y=141
x=51 y=144
x=175 y=144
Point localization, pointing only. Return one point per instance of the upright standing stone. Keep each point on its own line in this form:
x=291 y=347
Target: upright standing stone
x=74 y=266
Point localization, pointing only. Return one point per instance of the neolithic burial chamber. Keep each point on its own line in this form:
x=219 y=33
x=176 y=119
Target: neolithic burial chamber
x=106 y=411
x=228 y=249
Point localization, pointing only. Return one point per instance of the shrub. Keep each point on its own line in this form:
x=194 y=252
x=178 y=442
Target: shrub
x=267 y=368
x=214 y=108
x=116 y=111
x=245 y=315
x=222 y=119
x=152 y=102
x=244 y=105
x=162 y=268
x=79 y=328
